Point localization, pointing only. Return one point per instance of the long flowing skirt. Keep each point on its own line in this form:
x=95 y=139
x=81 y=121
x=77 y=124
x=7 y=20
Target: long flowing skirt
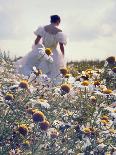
x=35 y=58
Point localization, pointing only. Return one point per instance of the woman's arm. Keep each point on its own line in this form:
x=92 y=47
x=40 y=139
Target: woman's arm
x=37 y=39
x=62 y=48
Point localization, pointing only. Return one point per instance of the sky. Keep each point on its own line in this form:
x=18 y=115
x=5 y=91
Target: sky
x=90 y=26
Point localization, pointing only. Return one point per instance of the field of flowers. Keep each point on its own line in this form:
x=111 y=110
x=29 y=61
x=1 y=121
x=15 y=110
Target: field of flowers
x=74 y=114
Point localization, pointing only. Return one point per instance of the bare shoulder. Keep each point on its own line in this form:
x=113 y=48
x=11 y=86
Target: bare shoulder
x=59 y=30
x=52 y=29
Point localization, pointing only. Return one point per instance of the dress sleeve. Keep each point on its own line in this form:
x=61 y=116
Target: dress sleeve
x=39 y=31
x=61 y=38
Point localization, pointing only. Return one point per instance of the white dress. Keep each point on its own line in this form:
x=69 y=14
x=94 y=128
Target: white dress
x=52 y=69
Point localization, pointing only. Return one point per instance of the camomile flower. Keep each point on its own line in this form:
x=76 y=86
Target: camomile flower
x=38 y=117
x=48 y=51
x=9 y=97
x=44 y=125
x=93 y=99
x=101 y=146
x=44 y=103
x=47 y=58
x=63 y=71
x=23 y=84
x=23 y=129
x=37 y=71
x=86 y=130
x=96 y=83
x=96 y=75
x=112 y=131
x=85 y=83
x=103 y=87
x=112 y=113
x=71 y=79
x=52 y=133
x=107 y=91
x=57 y=90
x=104 y=121
x=69 y=113
x=57 y=123
x=13 y=87
x=89 y=72
x=65 y=88
x=15 y=151
x=67 y=76
x=104 y=117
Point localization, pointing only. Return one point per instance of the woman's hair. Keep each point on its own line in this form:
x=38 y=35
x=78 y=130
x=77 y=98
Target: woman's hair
x=55 y=18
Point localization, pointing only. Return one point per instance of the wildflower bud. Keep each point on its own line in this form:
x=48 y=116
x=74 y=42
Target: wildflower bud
x=65 y=88
x=93 y=99
x=23 y=84
x=9 y=97
x=63 y=71
x=85 y=77
x=67 y=75
x=44 y=125
x=23 y=129
x=92 y=130
x=54 y=134
x=111 y=60
x=96 y=83
x=38 y=116
x=114 y=69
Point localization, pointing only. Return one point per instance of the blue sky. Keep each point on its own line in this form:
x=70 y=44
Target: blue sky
x=90 y=25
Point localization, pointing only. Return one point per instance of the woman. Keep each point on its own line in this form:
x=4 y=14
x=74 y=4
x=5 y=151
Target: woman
x=50 y=36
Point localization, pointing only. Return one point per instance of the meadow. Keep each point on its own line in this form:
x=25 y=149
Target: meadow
x=76 y=116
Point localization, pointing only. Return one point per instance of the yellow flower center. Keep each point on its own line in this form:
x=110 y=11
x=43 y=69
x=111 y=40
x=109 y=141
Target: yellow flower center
x=48 y=51
x=104 y=121
x=86 y=130
x=85 y=83
x=107 y=91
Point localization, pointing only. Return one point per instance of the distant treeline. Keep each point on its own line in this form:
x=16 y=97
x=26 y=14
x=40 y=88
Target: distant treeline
x=85 y=64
